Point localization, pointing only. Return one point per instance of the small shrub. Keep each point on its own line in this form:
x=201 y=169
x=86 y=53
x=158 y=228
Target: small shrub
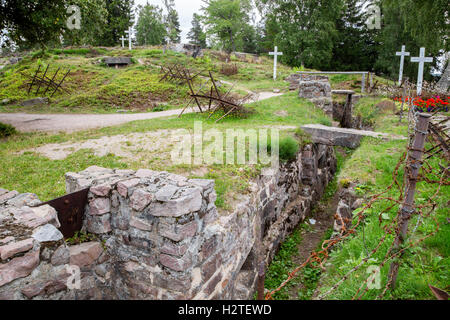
x=288 y=148
x=229 y=69
x=6 y=130
x=325 y=121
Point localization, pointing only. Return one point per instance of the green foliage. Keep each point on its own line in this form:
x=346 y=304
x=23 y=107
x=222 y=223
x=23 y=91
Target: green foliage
x=118 y=19
x=150 y=25
x=6 y=130
x=196 y=35
x=226 y=20
x=32 y=22
x=303 y=30
x=288 y=148
x=172 y=22
x=81 y=237
x=282 y=264
x=303 y=137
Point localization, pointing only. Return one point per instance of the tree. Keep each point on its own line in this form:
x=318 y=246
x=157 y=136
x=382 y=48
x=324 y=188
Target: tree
x=172 y=22
x=305 y=30
x=119 y=19
x=93 y=22
x=225 y=19
x=415 y=24
x=196 y=34
x=150 y=26
x=355 y=47
x=32 y=22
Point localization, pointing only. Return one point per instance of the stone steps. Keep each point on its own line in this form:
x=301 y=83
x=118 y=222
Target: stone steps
x=349 y=138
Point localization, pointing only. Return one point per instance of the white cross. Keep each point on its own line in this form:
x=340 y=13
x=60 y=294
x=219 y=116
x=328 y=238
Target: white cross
x=129 y=33
x=402 y=55
x=421 y=60
x=123 y=39
x=275 y=58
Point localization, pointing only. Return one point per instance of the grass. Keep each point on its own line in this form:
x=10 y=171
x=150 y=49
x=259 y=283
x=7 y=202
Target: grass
x=371 y=167
x=283 y=264
x=27 y=171
x=92 y=87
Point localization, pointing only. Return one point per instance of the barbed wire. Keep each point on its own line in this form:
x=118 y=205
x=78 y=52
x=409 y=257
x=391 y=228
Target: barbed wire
x=429 y=175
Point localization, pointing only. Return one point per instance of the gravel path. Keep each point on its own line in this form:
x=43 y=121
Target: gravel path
x=26 y=122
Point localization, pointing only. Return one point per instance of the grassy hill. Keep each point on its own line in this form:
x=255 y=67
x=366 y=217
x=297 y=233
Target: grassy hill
x=92 y=86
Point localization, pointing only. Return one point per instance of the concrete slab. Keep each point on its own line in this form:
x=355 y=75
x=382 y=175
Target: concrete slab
x=349 y=138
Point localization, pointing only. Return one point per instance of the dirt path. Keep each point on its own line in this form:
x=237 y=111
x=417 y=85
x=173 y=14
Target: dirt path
x=77 y=122
x=312 y=239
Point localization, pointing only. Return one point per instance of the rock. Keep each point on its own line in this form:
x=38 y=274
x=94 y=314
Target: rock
x=18 y=267
x=35 y=217
x=47 y=213
x=349 y=138
x=9 y=195
x=85 y=254
x=61 y=256
x=47 y=233
x=123 y=186
x=34 y=102
x=43 y=288
x=175 y=263
x=99 y=224
x=11 y=249
x=140 y=224
x=99 y=206
x=166 y=193
x=276 y=90
x=117 y=61
x=189 y=201
x=101 y=190
x=145 y=173
x=24 y=199
x=204 y=183
x=357 y=203
x=140 y=200
x=15 y=60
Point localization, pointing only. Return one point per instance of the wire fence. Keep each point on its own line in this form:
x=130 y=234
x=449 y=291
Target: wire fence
x=413 y=167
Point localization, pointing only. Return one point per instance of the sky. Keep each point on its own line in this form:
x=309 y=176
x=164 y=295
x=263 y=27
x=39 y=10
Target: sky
x=185 y=8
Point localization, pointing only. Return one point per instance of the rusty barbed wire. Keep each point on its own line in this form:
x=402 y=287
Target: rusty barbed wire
x=428 y=175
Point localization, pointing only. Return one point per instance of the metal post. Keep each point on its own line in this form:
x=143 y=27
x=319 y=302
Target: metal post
x=261 y=279
x=363 y=83
x=403 y=101
x=412 y=169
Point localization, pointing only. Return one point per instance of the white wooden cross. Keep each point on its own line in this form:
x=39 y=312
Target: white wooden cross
x=421 y=60
x=129 y=33
x=402 y=55
x=275 y=58
x=123 y=39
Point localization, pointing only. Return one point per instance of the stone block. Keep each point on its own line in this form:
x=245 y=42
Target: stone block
x=99 y=206
x=140 y=199
x=189 y=201
x=85 y=254
x=99 y=224
x=47 y=233
x=11 y=249
x=123 y=186
x=176 y=264
x=178 y=232
x=18 y=267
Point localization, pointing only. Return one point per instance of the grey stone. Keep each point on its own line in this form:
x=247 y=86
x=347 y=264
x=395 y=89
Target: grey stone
x=349 y=138
x=34 y=102
x=24 y=199
x=47 y=233
x=166 y=193
x=15 y=60
x=117 y=61
x=61 y=256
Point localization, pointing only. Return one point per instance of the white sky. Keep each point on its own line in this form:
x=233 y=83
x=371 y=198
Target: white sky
x=185 y=8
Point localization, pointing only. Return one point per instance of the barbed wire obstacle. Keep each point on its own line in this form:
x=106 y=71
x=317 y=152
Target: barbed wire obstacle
x=417 y=169
x=221 y=104
x=178 y=73
x=46 y=82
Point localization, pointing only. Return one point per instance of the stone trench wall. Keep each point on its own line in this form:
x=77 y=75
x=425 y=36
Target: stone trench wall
x=158 y=235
